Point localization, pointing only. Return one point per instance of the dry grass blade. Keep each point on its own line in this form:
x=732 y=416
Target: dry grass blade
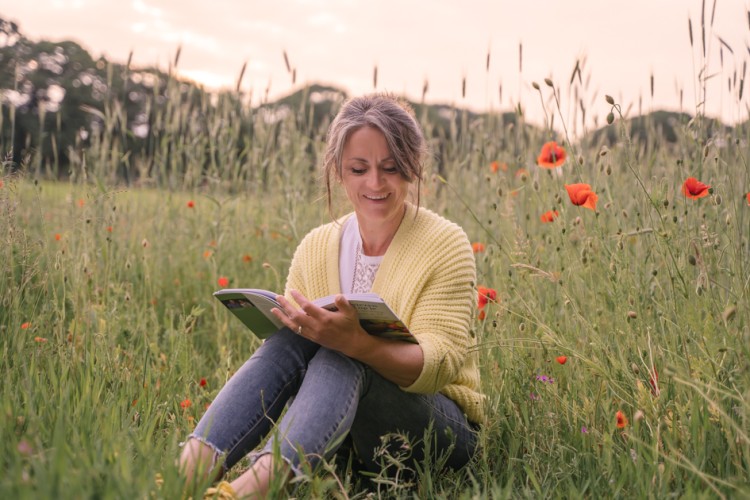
x=239 y=79
x=537 y=273
x=725 y=44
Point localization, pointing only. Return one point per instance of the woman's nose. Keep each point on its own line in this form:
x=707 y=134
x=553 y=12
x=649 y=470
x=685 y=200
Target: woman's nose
x=375 y=177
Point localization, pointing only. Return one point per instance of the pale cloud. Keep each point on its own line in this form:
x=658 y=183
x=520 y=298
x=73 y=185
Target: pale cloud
x=327 y=20
x=141 y=7
x=68 y=4
x=192 y=39
x=138 y=27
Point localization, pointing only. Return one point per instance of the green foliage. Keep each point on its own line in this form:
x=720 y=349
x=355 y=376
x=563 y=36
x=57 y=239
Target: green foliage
x=107 y=324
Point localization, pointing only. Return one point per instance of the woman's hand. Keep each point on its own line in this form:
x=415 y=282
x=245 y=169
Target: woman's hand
x=395 y=360
x=337 y=330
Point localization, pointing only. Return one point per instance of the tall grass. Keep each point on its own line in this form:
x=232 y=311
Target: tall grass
x=108 y=327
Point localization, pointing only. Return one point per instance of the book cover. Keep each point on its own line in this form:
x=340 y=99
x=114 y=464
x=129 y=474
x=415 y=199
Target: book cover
x=253 y=307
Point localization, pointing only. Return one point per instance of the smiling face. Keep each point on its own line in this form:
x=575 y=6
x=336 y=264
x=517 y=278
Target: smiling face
x=371 y=178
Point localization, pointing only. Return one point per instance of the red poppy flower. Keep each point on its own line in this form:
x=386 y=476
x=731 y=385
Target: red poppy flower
x=109 y=229
x=521 y=172
x=40 y=340
x=748 y=198
x=477 y=247
x=25 y=326
x=486 y=295
x=549 y=216
x=191 y=204
x=247 y=258
x=81 y=203
x=582 y=195
x=58 y=236
x=495 y=166
x=185 y=403
x=551 y=156
x=1 y=184
x=561 y=359
x=622 y=420
x=693 y=188
x=203 y=382
x=223 y=281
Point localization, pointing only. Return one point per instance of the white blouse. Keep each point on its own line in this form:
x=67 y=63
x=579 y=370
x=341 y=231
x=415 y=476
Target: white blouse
x=356 y=270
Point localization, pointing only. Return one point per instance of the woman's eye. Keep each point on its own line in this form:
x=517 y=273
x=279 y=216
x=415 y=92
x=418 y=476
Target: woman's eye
x=390 y=170
x=358 y=171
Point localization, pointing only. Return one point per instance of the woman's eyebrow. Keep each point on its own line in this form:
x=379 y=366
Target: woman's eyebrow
x=364 y=160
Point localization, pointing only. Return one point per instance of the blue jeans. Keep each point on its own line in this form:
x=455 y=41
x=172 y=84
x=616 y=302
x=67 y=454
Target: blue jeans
x=330 y=398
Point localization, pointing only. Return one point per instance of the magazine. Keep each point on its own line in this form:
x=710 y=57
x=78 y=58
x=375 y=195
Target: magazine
x=253 y=307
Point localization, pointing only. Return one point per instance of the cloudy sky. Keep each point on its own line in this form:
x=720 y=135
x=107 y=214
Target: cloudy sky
x=620 y=44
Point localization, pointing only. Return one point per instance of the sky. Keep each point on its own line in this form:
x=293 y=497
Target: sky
x=619 y=44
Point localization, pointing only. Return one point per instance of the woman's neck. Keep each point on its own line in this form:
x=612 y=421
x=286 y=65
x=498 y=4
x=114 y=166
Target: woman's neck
x=377 y=236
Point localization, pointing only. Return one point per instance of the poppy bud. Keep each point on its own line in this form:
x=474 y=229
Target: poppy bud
x=610 y=118
x=632 y=315
x=691 y=260
x=548 y=82
x=609 y=99
x=535 y=85
x=705 y=151
x=608 y=170
x=729 y=313
x=536 y=185
x=603 y=151
x=499 y=192
x=580 y=160
x=635 y=368
x=717 y=199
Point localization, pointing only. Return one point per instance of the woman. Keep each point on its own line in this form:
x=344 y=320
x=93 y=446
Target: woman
x=339 y=382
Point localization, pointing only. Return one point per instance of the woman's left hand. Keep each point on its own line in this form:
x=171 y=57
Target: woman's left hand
x=337 y=330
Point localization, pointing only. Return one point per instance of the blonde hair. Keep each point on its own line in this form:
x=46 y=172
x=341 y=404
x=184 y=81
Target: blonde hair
x=391 y=116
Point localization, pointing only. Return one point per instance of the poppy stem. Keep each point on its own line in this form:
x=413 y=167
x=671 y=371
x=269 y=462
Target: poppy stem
x=468 y=208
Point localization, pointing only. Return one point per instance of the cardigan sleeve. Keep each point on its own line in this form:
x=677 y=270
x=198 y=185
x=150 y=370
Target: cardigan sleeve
x=441 y=318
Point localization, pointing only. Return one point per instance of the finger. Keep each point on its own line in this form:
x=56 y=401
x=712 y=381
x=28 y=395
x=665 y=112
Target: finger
x=344 y=306
x=284 y=318
x=307 y=306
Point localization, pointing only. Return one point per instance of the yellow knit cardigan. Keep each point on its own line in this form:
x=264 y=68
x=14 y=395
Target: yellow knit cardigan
x=427 y=277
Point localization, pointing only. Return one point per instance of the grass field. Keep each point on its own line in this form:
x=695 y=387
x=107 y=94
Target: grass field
x=615 y=357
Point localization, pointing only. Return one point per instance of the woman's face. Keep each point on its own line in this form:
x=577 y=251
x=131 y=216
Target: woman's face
x=371 y=178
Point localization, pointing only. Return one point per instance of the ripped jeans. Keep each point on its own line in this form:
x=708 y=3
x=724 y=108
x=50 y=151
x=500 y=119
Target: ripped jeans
x=331 y=398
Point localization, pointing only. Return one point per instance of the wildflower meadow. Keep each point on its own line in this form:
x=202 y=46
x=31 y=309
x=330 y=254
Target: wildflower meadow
x=612 y=315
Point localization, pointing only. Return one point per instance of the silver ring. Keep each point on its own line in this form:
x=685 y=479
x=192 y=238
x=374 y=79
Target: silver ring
x=299 y=330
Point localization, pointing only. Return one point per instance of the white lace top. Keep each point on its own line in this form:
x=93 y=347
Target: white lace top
x=356 y=270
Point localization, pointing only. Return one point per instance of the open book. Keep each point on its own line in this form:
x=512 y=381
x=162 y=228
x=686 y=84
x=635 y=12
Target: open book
x=253 y=307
